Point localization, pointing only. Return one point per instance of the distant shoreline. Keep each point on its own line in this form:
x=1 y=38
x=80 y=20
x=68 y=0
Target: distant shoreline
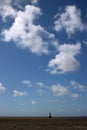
x=54 y=117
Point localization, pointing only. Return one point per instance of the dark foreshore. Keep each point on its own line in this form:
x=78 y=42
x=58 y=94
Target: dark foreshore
x=43 y=123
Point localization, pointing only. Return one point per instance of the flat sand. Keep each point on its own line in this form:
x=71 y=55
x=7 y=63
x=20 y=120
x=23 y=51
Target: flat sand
x=43 y=123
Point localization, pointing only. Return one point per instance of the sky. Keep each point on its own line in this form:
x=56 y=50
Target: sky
x=43 y=57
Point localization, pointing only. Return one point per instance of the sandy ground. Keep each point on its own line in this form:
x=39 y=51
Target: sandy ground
x=38 y=123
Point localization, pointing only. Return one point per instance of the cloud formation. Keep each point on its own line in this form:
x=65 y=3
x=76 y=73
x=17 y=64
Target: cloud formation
x=59 y=90
x=2 y=88
x=26 y=33
x=27 y=82
x=74 y=95
x=18 y=93
x=33 y=102
x=34 y=2
x=78 y=86
x=66 y=60
x=85 y=42
x=69 y=20
x=6 y=9
x=40 y=84
x=41 y=92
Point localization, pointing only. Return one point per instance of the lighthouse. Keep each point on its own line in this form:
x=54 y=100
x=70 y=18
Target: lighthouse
x=49 y=114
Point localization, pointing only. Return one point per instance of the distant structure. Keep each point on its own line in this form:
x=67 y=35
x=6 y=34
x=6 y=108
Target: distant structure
x=49 y=114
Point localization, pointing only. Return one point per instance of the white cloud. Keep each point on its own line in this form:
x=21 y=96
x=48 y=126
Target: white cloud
x=34 y=2
x=27 y=82
x=28 y=35
x=33 y=102
x=40 y=84
x=42 y=88
x=6 y=9
x=70 y=20
x=77 y=85
x=85 y=42
x=66 y=60
x=18 y=93
x=41 y=92
x=5 y=2
x=2 y=88
x=59 y=90
x=74 y=95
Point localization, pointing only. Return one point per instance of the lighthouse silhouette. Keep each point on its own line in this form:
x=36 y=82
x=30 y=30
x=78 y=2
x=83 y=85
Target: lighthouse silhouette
x=49 y=114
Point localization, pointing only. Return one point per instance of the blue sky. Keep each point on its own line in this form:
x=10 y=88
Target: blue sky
x=43 y=63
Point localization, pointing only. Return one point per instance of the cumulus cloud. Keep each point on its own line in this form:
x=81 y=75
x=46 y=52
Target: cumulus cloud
x=27 y=82
x=6 y=9
x=69 y=20
x=41 y=92
x=66 y=60
x=85 y=42
x=5 y=2
x=2 y=88
x=26 y=34
x=18 y=93
x=42 y=88
x=74 y=95
x=33 y=102
x=77 y=85
x=40 y=84
x=34 y=2
x=59 y=90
